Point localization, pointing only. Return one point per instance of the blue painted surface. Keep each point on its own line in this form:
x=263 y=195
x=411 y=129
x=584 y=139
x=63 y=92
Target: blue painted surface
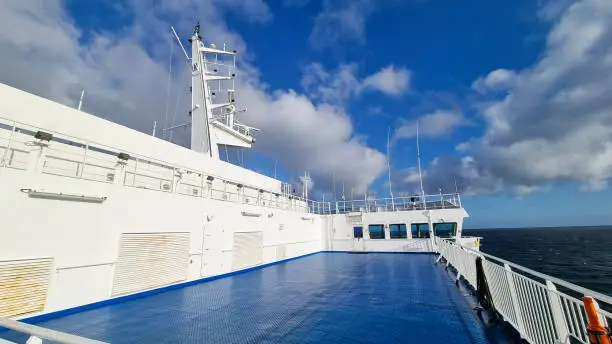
x=340 y=298
x=48 y=316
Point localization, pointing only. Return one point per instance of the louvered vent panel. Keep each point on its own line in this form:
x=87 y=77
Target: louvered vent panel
x=24 y=285
x=150 y=260
x=281 y=252
x=248 y=250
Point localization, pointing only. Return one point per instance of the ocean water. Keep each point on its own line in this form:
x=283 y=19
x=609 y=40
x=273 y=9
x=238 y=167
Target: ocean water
x=581 y=255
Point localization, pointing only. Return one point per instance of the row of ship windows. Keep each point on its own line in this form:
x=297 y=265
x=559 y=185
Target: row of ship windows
x=399 y=231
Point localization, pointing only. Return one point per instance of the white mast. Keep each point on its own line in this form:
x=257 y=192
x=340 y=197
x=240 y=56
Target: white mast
x=389 y=168
x=213 y=121
x=200 y=100
x=419 y=163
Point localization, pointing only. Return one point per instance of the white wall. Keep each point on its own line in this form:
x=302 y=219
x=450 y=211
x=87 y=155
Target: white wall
x=341 y=238
x=79 y=233
x=83 y=238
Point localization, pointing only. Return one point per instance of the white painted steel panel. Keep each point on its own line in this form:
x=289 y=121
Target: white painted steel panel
x=24 y=285
x=281 y=252
x=248 y=250
x=150 y=260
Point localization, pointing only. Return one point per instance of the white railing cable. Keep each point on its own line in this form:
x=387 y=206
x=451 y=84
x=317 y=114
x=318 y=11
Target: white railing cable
x=540 y=312
x=44 y=333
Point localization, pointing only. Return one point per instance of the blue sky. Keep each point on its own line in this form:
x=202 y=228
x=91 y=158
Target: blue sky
x=511 y=96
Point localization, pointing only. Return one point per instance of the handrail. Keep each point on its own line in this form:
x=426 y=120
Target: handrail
x=138 y=169
x=555 y=280
x=536 y=309
x=169 y=177
x=45 y=333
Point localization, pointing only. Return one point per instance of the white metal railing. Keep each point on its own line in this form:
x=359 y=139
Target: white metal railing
x=77 y=158
x=37 y=334
x=436 y=201
x=543 y=309
x=73 y=157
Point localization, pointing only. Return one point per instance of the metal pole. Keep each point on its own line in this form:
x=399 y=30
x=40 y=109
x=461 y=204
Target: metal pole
x=389 y=168
x=81 y=100
x=419 y=163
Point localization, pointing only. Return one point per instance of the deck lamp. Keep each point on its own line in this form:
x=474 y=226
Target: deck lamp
x=43 y=136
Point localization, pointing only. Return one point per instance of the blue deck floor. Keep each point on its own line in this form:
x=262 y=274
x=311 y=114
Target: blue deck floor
x=328 y=297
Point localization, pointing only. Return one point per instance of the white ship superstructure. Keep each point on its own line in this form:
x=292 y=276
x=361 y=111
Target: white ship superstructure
x=111 y=234
x=93 y=210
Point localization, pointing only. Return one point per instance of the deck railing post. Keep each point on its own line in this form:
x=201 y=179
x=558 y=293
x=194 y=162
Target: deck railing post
x=8 y=146
x=557 y=313
x=515 y=301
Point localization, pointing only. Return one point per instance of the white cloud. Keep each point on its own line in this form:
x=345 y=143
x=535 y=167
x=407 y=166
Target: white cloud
x=555 y=122
x=525 y=190
x=436 y=124
x=330 y=87
x=595 y=185
x=463 y=147
x=497 y=80
x=341 y=21
x=318 y=138
x=339 y=85
x=410 y=175
x=125 y=76
x=443 y=172
x=389 y=80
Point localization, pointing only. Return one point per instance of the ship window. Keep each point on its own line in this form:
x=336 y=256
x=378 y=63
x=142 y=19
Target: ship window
x=376 y=231
x=398 y=231
x=420 y=230
x=358 y=232
x=445 y=229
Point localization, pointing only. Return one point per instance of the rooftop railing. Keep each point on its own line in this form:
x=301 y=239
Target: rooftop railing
x=78 y=158
x=370 y=205
x=543 y=309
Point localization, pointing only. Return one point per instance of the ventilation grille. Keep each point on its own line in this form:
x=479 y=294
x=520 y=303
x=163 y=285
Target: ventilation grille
x=354 y=218
x=248 y=250
x=150 y=260
x=24 y=285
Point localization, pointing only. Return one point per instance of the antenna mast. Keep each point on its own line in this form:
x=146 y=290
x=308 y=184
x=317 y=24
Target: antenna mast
x=81 y=100
x=419 y=164
x=389 y=168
